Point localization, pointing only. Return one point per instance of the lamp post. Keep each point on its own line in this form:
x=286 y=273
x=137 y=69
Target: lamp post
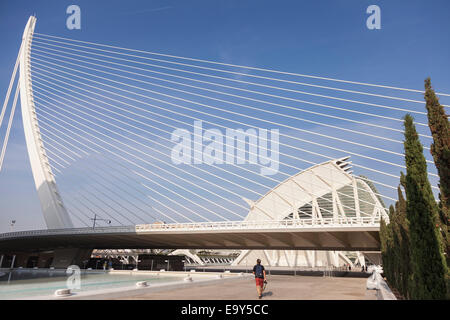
x=13 y=222
x=168 y=264
x=99 y=219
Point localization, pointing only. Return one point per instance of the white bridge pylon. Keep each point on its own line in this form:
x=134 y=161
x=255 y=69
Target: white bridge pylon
x=104 y=116
x=55 y=214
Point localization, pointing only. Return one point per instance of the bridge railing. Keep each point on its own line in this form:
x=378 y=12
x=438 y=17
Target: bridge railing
x=68 y=231
x=221 y=225
x=266 y=224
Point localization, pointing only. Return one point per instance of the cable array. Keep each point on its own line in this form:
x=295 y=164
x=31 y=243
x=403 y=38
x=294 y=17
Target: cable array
x=110 y=118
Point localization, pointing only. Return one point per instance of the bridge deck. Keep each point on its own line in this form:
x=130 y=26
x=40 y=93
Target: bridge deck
x=356 y=234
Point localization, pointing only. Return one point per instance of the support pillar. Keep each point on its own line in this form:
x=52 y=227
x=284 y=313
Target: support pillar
x=12 y=261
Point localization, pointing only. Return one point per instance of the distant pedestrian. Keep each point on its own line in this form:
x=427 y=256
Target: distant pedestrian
x=366 y=267
x=349 y=267
x=260 y=277
x=104 y=266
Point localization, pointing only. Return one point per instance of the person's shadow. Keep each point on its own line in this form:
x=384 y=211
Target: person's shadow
x=268 y=294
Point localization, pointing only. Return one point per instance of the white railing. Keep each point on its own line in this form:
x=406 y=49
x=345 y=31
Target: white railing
x=18 y=234
x=266 y=224
x=346 y=222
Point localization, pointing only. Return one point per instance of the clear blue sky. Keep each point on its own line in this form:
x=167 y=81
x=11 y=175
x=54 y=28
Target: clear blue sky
x=327 y=38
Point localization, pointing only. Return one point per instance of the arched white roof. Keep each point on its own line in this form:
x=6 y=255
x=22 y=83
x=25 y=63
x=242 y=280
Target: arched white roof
x=326 y=189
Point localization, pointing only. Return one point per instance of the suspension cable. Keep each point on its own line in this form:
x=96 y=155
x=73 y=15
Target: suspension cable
x=240 y=66
x=233 y=95
x=152 y=164
x=106 y=97
x=236 y=73
x=8 y=129
x=290 y=127
x=100 y=139
x=139 y=129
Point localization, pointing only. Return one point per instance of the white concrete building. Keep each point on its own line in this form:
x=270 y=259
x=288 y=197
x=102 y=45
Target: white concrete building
x=326 y=190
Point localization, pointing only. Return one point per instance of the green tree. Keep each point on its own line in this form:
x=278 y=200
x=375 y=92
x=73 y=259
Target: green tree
x=440 y=150
x=427 y=259
x=395 y=247
x=386 y=245
x=402 y=239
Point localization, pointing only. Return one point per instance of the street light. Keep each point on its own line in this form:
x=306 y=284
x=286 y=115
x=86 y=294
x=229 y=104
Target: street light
x=168 y=264
x=13 y=222
x=99 y=219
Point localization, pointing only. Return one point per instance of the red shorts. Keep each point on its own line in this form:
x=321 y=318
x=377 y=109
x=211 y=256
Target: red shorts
x=259 y=282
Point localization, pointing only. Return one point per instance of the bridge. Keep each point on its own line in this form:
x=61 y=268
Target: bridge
x=357 y=234
x=235 y=157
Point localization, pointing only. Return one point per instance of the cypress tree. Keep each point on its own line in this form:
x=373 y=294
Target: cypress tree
x=440 y=150
x=404 y=267
x=385 y=249
x=395 y=249
x=403 y=180
x=396 y=258
x=427 y=259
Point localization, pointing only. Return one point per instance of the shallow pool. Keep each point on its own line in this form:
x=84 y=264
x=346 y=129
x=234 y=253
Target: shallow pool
x=29 y=284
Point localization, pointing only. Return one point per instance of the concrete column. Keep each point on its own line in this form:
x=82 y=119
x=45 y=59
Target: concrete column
x=315 y=258
x=12 y=261
x=1 y=260
x=361 y=258
x=287 y=258
x=309 y=258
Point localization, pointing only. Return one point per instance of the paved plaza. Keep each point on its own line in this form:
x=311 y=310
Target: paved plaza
x=279 y=287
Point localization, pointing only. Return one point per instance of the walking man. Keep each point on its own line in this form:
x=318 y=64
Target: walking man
x=260 y=277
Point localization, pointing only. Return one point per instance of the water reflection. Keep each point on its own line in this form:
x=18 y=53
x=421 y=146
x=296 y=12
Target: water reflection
x=26 y=283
